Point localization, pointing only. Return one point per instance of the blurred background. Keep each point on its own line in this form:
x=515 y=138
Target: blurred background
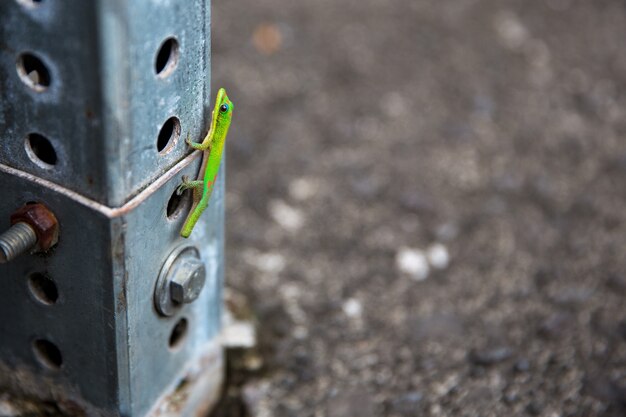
x=426 y=206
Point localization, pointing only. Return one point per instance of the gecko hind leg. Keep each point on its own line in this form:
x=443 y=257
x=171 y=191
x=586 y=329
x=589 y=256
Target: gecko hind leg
x=188 y=185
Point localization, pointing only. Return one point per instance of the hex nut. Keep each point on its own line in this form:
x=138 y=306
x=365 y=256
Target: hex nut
x=187 y=280
x=43 y=222
x=180 y=280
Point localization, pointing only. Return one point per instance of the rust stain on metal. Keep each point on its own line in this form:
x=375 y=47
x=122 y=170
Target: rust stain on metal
x=179 y=397
x=118 y=255
x=121 y=297
x=43 y=222
x=175 y=403
x=196 y=393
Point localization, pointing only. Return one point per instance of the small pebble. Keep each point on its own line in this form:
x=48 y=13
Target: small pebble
x=8 y=410
x=412 y=262
x=490 y=356
x=300 y=332
x=438 y=256
x=303 y=188
x=394 y=104
x=254 y=395
x=447 y=386
x=351 y=401
x=407 y=403
x=617 y=283
x=555 y=325
x=270 y=262
x=533 y=408
x=621 y=329
x=252 y=361
x=572 y=296
x=602 y=387
x=417 y=202
x=522 y=365
x=366 y=187
x=352 y=308
x=239 y=334
x=288 y=217
x=477 y=372
x=447 y=231
x=510 y=397
x=543 y=277
x=512 y=33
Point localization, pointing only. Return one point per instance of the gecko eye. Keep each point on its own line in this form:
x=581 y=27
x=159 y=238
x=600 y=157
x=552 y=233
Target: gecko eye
x=223 y=108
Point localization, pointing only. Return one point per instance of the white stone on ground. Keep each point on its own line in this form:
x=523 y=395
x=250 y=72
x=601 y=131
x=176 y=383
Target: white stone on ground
x=288 y=217
x=352 y=308
x=270 y=262
x=511 y=31
x=438 y=256
x=237 y=333
x=412 y=262
x=303 y=188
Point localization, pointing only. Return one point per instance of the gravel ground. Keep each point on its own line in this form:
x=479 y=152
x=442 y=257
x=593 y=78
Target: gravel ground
x=426 y=207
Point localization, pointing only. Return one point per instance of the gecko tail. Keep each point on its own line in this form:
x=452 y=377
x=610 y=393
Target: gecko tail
x=194 y=216
x=188 y=227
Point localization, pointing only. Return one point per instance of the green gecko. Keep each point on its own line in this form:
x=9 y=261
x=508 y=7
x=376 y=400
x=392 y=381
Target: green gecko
x=212 y=147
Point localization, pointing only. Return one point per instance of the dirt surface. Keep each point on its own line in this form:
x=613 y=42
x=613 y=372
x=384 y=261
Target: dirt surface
x=426 y=206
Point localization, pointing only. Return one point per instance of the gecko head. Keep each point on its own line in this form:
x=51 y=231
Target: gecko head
x=223 y=107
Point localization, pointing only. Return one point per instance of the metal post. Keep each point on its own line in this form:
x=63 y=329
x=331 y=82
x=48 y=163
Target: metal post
x=96 y=100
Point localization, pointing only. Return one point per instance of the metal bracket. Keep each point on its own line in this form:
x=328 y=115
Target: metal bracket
x=96 y=97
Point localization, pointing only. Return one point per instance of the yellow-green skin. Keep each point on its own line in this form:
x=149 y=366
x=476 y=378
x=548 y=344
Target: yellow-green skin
x=213 y=147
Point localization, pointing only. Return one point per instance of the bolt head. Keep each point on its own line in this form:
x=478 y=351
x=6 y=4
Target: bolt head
x=187 y=280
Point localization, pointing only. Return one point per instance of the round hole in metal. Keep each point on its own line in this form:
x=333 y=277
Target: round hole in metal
x=178 y=333
x=48 y=354
x=168 y=135
x=43 y=288
x=167 y=58
x=40 y=150
x=33 y=71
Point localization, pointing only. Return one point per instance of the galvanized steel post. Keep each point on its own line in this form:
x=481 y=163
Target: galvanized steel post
x=96 y=99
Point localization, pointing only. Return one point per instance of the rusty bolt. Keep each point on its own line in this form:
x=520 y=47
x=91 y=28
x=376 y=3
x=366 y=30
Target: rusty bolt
x=42 y=221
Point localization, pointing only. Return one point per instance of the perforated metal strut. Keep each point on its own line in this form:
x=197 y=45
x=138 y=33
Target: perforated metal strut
x=96 y=98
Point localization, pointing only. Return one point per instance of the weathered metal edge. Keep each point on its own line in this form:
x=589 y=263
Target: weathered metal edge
x=197 y=389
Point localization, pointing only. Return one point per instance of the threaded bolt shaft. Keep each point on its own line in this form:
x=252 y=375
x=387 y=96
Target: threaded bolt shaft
x=15 y=241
